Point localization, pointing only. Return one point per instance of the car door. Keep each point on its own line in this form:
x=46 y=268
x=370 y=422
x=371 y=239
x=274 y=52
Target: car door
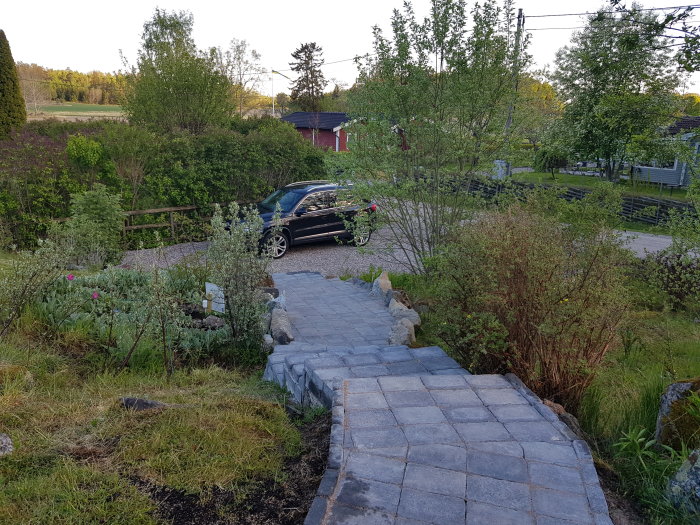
x=313 y=217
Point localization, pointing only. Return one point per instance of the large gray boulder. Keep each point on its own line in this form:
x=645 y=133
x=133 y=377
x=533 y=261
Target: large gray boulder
x=381 y=286
x=280 y=327
x=402 y=333
x=683 y=489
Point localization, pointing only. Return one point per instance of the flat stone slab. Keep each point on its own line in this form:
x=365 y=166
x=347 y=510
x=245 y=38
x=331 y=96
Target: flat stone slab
x=453 y=449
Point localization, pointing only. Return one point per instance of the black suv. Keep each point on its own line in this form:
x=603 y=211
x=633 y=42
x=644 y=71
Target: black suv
x=311 y=211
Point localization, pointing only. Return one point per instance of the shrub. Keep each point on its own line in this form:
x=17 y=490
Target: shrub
x=533 y=296
x=677 y=275
x=238 y=267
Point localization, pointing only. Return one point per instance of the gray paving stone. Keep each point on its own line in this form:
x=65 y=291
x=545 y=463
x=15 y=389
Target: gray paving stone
x=364 y=401
x=561 y=454
x=534 y=431
x=364 y=384
x=418 y=414
x=596 y=499
x=482 y=431
x=497 y=466
x=439 y=455
x=408 y=398
x=406 y=368
x=389 y=384
x=479 y=513
x=317 y=511
x=488 y=381
x=431 y=508
x=437 y=480
x=443 y=382
x=500 y=396
x=328 y=481
x=563 y=505
x=369 y=494
x=378 y=438
x=361 y=359
x=428 y=352
x=499 y=492
x=371 y=418
x=392 y=356
x=509 y=413
x=556 y=477
x=346 y=515
x=379 y=468
x=459 y=398
x=548 y=520
x=369 y=371
x=507 y=448
x=468 y=414
x=450 y=372
x=431 y=433
x=439 y=363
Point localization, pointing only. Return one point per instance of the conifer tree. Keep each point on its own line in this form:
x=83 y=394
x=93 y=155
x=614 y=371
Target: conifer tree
x=307 y=89
x=12 y=110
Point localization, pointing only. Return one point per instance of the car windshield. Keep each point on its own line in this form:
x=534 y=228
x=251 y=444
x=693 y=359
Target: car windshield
x=286 y=199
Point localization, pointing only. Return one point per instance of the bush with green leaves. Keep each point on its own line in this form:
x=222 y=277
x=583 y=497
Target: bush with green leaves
x=93 y=233
x=530 y=294
x=239 y=267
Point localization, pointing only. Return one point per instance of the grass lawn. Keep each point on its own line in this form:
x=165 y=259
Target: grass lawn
x=76 y=108
x=584 y=181
x=81 y=458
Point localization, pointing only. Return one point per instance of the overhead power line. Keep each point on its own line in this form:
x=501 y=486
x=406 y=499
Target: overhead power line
x=691 y=6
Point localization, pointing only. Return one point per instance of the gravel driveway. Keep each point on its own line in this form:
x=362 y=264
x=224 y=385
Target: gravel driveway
x=327 y=258
x=331 y=258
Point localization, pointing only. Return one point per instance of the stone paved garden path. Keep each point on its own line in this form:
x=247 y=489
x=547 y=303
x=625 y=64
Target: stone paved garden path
x=416 y=439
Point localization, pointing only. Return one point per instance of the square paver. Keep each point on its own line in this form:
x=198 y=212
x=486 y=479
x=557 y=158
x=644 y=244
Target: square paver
x=488 y=381
x=506 y=448
x=431 y=508
x=535 y=431
x=407 y=368
x=356 y=516
x=435 y=480
x=439 y=455
x=400 y=383
x=497 y=466
x=428 y=352
x=393 y=356
x=418 y=414
x=468 y=414
x=362 y=385
x=488 y=431
x=380 y=417
x=379 y=468
x=408 y=398
x=441 y=382
x=563 y=505
x=361 y=359
x=369 y=494
x=479 y=513
x=365 y=400
x=369 y=371
x=461 y=397
x=556 y=477
x=499 y=492
x=377 y=438
x=439 y=363
x=561 y=454
x=509 y=413
x=501 y=396
x=431 y=433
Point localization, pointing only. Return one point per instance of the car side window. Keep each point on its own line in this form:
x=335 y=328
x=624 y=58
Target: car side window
x=344 y=199
x=317 y=201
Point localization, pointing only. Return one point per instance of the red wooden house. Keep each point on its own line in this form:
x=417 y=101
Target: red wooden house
x=323 y=128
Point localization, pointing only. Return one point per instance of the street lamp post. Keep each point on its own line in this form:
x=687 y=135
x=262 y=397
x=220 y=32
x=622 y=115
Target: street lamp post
x=272 y=78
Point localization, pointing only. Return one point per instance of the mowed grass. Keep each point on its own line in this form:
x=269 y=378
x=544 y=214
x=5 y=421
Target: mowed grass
x=585 y=181
x=77 y=452
x=80 y=109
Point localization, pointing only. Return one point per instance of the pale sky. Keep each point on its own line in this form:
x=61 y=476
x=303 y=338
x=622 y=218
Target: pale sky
x=89 y=36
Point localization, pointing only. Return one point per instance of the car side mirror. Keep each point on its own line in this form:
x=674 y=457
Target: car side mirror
x=300 y=211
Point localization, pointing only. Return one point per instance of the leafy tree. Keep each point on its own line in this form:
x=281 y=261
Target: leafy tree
x=538 y=108
x=690 y=104
x=618 y=77
x=430 y=110
x=282 y=102
x=175 y=85
x=307 y=89
x=34 y=82
x=12 y=111
x=241 y=65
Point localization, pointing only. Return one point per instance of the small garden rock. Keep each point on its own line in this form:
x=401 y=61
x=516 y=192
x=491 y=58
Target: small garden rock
x=684 y=488
x=137 y=404
x=673 y=424
x=381 y=285
x=402 y=333
x=6 y=446
x=401 y=311
x=280 y=327
x=212 y=323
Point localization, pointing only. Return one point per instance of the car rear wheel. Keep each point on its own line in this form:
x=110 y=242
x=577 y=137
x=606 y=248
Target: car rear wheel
x=276 y=244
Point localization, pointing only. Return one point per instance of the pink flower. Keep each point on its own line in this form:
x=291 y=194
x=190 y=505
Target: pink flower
x=70 y=276
x=95 y=295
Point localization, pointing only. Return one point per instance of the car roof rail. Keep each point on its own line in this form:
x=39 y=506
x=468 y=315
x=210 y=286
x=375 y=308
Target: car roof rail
x=309 y=182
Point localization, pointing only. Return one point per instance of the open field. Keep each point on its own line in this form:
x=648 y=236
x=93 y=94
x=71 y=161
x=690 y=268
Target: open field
x=76 y=111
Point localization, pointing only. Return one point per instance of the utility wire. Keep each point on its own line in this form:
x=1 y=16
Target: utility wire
x=692 y=6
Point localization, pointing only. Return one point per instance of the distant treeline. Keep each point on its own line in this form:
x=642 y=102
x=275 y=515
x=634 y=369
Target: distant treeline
x=65 y=85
